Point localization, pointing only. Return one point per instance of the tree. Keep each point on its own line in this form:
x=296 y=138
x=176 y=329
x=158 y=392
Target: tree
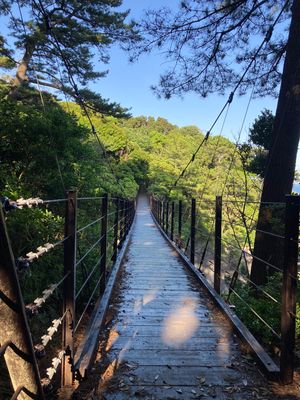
x=58 y=39
x=205 y=39
x=255 y=152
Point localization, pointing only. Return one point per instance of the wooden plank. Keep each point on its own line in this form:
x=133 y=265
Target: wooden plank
x=154 y=343
x=146 y=330
x=165 y=392
x=188 y=376
x=171 y=357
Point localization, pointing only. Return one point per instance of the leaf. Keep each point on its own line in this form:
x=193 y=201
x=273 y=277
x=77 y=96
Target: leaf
x=202 y=380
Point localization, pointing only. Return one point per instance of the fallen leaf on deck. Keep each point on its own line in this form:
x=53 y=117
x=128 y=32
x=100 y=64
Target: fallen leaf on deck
x=202 y=380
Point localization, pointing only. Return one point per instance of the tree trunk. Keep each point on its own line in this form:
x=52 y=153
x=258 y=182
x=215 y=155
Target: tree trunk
x=280 y=171
x=21 y=74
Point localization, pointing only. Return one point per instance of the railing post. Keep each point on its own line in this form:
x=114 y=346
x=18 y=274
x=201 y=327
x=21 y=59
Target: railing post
x=179 y=222
x=69 y=288
x=121 y=222
x=116 y=230
x=132 y=212
x=193 y=231
x=218 y=244
x=167 y=219
x=103 y=242
x=159 y=212
x=23 y=371
x=163 y=215
x=172 y=220
x=127 y=217
x=289 y=289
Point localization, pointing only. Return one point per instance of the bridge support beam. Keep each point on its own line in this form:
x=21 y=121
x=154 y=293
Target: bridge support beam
x=289 y=289
x=69 y=289
x=193 y=231
x=218 y=245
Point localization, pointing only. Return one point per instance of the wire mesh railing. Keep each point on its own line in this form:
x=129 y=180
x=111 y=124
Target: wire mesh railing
x=248 y=252
x=42 y=330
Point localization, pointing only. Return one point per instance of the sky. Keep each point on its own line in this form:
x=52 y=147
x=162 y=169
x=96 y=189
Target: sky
x=129 y=84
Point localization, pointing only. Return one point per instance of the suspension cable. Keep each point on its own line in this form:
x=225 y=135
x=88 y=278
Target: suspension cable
x=230 y=98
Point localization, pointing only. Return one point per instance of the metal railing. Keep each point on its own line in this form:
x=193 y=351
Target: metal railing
x=220 y=238
x=81 y=283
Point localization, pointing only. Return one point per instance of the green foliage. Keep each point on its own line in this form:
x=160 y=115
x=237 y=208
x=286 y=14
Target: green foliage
x=261 y=130
x=47 y=37
x=255 y=153
x=265 y=307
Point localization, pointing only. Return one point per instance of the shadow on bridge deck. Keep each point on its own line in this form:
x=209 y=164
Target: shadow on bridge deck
x=163 y=337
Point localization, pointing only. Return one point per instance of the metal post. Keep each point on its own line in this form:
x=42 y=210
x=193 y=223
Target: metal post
x=167 y=219
x=172 y=220
x=179 y=221
x=193 y=231
x=159 y=212
x=163 y=215
x=116 y=231
x=126 y=217
x=289 y=289
x=121 y=222
x=103 y=243
x=218 y=244
x=23 y=368
x=69 y=288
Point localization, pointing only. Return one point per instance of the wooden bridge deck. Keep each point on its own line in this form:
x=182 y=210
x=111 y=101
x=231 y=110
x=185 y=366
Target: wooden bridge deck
x=163 y=338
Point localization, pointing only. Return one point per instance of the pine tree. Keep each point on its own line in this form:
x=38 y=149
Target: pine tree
x=54 y=40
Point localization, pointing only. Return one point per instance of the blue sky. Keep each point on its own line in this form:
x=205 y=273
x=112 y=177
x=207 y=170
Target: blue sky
x=130 y=84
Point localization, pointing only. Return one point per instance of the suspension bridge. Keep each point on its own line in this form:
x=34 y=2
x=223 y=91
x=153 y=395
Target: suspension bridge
x=150 y=295
x=153 y=324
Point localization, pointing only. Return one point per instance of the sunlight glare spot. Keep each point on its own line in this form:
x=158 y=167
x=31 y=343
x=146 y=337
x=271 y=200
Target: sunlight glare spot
x=148 y=243
x=137 y=306
x=181 y=324
x=223 y=349
x=112 y=338
x=109 y=372
x=149 y=297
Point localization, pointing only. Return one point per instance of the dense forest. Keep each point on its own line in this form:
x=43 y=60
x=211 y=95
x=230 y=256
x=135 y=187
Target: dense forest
x=46 y=150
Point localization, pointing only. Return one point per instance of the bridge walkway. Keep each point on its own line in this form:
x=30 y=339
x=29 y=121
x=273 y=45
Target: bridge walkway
x=164 y=338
